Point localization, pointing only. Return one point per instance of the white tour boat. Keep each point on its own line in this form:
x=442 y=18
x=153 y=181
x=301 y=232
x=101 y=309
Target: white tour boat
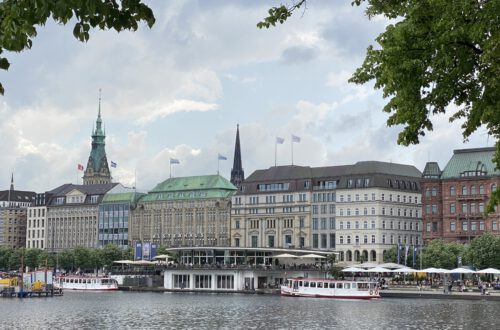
x=327 y=288
x=85 y=283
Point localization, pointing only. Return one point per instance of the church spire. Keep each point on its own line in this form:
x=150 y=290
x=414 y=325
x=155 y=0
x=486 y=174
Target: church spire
x=97 y=171
x=237 y=174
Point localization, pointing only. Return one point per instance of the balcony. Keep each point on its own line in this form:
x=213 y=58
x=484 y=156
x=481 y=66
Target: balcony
x=475 y=197
x=471 y=216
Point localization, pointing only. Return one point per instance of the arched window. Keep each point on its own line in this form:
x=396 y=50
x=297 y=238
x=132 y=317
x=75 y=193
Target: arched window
x=494 y=187
x=434 y=191
x=464 y=190
x=481 y=189
x=452 y=191
x=427 y=192
x=473 y=190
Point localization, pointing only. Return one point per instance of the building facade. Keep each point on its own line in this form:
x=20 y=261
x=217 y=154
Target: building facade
x=114 y=216
x=13 y=216
x=358 y=211
x=72 y=214
x=185 y=211
x=378 y=207
x=272 y=209
x=37 y=219
x=455 y=199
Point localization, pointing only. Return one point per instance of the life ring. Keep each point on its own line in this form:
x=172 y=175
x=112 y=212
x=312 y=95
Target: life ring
x=376 y=292
x=371 y=292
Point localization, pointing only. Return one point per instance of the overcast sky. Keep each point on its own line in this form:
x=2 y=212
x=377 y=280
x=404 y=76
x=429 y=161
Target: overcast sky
x=179 y=90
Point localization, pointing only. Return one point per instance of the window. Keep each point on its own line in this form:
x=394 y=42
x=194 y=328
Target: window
x=323 y=223
x=481 y=225
x=473 y=226
x=357 y=240
x=452 y=208
x=473 y=190
x=237 y=242
x=254 y=241
x=373 y=239
x=464 y=226
x=348 y=239
x=464 y=208
x=481 y=207
x=453 y=226
x=373 y=224
x=315 y=241
x=323 y=241
x=434 y=209
x=356 y=225
x=452 y=191
x=365 y=224
x=481 y=189
x=341 y=240
x=315 y=223
x=373 y=211
x=365 y=239
x=288 y=240
x=464 y=190
x=383 y=224
x=383 y=239
x=270 y=241
x=434 y=191
x=348 y=225
x=494 y=225
x=341 y=226
x=428 y=227
x=332 y=223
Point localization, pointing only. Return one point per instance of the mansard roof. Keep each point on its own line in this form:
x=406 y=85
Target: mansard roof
x=371 y=174
x=192 y=187
x=88 y=190
x=17 y=196
x=470 y=162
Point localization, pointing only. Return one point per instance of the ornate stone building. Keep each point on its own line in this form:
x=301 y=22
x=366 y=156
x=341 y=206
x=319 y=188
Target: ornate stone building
x=97 y=171
x=13 y=216
x=186 y=211
x=359 y=211
x=454 y=200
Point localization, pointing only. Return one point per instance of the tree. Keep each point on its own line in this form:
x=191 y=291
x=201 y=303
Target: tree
x=110 y=253
x=19 y=19
x=484 y=251
x=440 y=254
x=437 y=56
x=66 y=260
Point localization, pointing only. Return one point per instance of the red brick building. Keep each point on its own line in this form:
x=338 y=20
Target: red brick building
x=454 y=200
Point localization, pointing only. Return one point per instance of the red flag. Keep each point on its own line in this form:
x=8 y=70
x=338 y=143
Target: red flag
x=80 y=167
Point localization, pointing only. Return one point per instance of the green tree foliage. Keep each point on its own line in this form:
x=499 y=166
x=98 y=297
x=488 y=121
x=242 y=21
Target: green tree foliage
x=484 y=252
x=66 y=260
x=440 y=254
x=110 y=253
x=20 y=18
x=438 y=56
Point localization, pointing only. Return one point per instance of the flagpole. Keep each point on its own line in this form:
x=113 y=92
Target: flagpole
x=292 y=149
x=135 y=179
x=170 y=173
x=275 y=151
x=218 y=161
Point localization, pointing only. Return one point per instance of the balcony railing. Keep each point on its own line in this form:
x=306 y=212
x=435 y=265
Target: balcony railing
x=472 y=197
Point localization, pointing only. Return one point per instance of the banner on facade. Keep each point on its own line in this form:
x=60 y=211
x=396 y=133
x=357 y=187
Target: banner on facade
x=138 y=251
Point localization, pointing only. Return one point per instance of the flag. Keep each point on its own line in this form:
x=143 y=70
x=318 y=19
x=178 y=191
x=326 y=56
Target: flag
x=295 y=138
x=279 y=140
x=407 y=247
x=220 y=157
x=80 y=167
x=415 y=249
x=399 y=253
x=113 y=164
x=174 y=161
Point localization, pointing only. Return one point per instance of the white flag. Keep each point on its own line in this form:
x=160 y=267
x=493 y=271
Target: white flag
x=279 y=140
x=221 y=157
x=295 y=138
x=174 y=161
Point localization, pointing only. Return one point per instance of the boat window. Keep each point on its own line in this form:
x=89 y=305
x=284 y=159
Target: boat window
x=320 y=284
x=363 y=286
x=347 y=285
x=332 y=285
x=340 y=285
x=313 y=284
x=71 y=281
x=300 y=283
x=306 y=284
x=325 y=285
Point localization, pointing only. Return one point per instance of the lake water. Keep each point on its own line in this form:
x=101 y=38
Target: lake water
x=132 y=310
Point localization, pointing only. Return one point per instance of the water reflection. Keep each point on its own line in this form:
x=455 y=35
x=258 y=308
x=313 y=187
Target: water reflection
x=235 y=311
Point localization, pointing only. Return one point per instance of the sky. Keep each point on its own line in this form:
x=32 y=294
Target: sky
x=179 y=90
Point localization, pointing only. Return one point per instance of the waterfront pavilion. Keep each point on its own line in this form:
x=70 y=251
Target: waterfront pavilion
x=240 y=268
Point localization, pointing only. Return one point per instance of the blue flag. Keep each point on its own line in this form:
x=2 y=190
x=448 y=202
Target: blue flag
x=415 y=249
x=113 y=164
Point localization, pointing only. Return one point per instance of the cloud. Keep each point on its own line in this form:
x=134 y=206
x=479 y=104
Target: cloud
x=297 y=54
x=156 y=111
